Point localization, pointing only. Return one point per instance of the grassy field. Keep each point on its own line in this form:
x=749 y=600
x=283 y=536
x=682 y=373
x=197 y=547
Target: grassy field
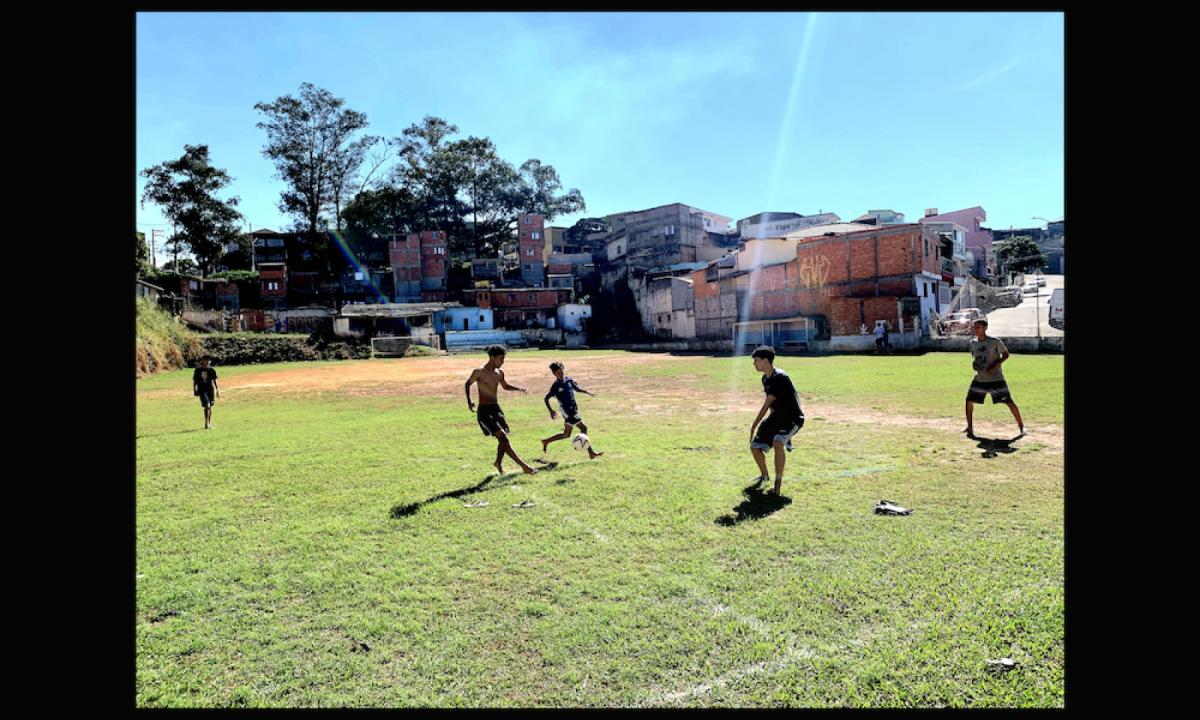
x=314 y=549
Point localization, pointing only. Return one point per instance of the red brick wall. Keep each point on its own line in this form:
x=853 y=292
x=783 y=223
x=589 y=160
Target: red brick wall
x=405 y=257
x=855 y=278
x=700 y=288
x=433 y=253
x=278 y=276
x=541 y=298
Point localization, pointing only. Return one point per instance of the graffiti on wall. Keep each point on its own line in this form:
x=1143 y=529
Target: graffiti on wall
x=814 y=271
x=301 y=324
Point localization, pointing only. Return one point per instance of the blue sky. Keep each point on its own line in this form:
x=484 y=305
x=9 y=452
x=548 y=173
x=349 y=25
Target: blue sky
x=733 y=113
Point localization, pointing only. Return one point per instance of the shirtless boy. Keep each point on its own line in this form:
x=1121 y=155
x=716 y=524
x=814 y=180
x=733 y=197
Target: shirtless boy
x=491 y=418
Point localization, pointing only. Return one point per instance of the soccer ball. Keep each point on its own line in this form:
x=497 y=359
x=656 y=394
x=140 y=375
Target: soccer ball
x=581 y=442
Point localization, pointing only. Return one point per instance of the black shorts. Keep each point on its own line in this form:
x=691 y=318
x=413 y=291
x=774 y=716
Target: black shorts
x=571 y=417
x=491 y=419
x=776 y=428
x=206 y=398
x=980 y=390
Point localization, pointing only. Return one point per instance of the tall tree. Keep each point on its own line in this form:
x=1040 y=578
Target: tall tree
x=310 y=141
x=540 y=188
x=384 y=211
x=490 y=187
x=143 y=255
x=186 y=190
x=1020 y=254
x=455 y=181
x=423 y=170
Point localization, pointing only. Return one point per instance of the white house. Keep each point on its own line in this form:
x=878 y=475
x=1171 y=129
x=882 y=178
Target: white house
x=572 y=315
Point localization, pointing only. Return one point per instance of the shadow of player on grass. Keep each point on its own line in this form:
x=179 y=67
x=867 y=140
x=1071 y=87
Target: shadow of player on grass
x=757 y=505
x=993 y=447
x=491 y=481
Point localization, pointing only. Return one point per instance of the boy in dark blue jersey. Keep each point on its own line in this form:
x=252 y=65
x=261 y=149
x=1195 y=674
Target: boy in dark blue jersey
x=564 y=388
x=785 y=420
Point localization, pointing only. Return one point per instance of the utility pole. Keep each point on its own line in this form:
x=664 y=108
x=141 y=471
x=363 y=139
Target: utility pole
x=153 y=246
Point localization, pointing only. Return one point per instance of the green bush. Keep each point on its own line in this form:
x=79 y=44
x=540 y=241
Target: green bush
x=253 y=349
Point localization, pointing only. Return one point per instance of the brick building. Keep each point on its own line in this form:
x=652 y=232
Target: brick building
x=419 y=266
x=519 y=307
x=838 y=283
x=531 y=249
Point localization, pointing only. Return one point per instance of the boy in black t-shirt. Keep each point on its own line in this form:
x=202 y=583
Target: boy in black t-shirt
x=785 y=420
x=204 y=385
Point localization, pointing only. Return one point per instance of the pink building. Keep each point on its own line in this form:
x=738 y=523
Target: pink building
x=977 y=240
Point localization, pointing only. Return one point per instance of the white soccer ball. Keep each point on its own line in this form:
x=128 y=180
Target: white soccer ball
x=581 y=442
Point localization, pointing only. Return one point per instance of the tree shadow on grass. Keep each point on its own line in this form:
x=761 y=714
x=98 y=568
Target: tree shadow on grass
x=757 y=505
x=993 y=447
x=489 y=482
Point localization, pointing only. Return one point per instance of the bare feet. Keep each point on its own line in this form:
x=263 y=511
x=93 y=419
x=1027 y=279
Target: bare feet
x=529 y=470
x=544 y=443
x=593 y=454
x=499 y=469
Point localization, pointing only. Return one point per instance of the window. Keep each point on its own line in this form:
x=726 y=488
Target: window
x=526 y=221
x=529 y=253
x=670 y=230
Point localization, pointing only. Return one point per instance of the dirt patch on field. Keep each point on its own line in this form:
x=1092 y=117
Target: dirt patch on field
x=649 y=394
x=436 y=377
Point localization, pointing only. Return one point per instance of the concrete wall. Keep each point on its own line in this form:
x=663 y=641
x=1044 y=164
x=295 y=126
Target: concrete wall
x=474 y=341
x=666 y=306
x=301 y=320
x=912 y=342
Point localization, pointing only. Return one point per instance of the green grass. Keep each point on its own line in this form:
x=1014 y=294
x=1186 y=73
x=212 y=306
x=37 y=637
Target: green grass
x=271 y=549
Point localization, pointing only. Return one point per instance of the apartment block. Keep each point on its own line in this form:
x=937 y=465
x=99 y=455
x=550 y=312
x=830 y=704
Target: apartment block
x=531 y=249
x=419 y=266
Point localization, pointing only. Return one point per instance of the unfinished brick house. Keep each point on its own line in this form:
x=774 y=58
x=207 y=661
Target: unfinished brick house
x=419 y=266
x=839 y=284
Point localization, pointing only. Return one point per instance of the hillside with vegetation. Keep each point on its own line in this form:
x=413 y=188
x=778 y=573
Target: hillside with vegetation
x=162 y=342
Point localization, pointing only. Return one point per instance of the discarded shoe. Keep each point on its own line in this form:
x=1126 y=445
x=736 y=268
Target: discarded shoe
x=887 y=507
x=481 y=503
x=524 y=504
